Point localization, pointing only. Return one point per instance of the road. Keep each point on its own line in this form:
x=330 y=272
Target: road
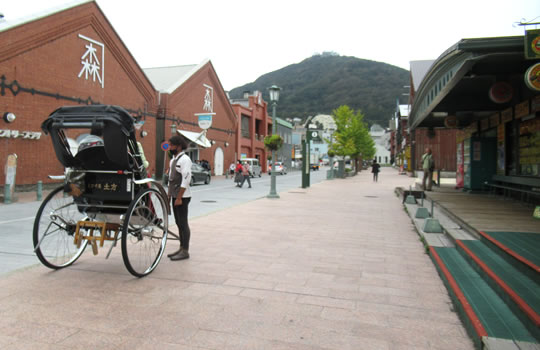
x=17 y=219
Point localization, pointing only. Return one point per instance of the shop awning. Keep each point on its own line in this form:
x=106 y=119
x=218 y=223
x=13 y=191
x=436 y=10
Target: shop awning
x=459 y=81
x=197 y=138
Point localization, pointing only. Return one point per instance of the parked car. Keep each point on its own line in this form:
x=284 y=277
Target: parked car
x=314 y=166
x=199 y=174
x=254 y=166
x=280 y=168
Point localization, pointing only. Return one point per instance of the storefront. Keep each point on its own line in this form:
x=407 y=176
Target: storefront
x=478 y=87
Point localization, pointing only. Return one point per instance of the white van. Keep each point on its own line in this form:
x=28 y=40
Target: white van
x=254 y=165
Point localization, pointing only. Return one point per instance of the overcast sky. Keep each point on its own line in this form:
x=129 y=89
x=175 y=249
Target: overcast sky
x=247 y=38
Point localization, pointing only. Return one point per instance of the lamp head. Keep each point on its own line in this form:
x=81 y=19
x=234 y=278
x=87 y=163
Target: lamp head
x=274 y=93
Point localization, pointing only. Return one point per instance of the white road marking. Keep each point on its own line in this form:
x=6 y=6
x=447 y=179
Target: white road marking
x=16 y=220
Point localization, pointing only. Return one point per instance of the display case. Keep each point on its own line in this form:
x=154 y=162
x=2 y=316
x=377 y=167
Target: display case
x=529 y=147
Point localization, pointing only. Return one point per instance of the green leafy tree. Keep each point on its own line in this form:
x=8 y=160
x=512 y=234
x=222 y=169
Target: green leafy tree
x=351 y=137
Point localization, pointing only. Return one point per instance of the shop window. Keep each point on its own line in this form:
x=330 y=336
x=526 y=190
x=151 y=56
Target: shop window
x=511 y=148
x=529 y=147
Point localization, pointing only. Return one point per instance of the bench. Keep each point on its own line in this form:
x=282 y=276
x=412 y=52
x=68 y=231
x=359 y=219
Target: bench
x=523 y=186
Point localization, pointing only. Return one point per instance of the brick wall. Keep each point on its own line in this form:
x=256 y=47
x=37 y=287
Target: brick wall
x=188 y=99
x=45 y=55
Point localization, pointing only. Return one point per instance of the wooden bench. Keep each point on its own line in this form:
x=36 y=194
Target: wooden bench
x=524 y=186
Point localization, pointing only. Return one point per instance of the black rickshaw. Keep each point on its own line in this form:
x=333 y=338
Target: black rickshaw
x=106 y=194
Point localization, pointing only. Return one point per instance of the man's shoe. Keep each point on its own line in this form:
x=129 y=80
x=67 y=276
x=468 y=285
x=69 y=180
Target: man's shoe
x=183 y=254
x=174 y=253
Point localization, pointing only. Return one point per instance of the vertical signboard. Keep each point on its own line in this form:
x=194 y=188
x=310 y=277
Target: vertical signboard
x=532 y=44
x=11 y=172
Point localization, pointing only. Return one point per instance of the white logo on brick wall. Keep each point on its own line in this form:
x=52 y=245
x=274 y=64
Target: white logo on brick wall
x=93 y=61
x=208 y=99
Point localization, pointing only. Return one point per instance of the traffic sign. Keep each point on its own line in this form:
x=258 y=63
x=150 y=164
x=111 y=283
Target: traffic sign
x=165 y=146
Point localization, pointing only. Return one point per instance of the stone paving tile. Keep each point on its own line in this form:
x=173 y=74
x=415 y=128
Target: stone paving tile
x=269 y=295
x=326 y=301
x=249 y=283
x=345 y=271
x=87 y=339
x=43 y=333
x=302 y=290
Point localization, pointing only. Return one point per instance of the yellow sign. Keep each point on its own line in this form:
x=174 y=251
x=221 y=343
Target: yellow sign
x=532 y=44
x=506 y=115
x=521 y=109
x=532 y=77
x=536 y=213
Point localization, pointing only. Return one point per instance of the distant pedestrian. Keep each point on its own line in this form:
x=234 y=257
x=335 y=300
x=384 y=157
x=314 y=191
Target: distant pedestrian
x=245 y=174
x=428 y=166
x=232 y=167
x=205 y=165
x=375 y=169
x=238 y=170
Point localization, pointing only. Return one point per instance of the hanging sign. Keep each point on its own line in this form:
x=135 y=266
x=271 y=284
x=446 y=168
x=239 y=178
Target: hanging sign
x=535 y=104
x=532 y=44
x=521 y=109
x=501 y=92
x=205 y=120
x=532 y=77
x=536 y=213
x=506 y=115
x=494 y=120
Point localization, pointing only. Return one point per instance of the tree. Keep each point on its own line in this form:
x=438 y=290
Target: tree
x=351 y=137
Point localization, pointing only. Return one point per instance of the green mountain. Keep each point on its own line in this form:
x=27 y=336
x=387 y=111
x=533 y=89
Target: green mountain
x=321 y=83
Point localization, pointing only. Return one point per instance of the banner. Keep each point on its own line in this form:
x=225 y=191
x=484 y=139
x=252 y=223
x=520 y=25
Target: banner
x=532 y=44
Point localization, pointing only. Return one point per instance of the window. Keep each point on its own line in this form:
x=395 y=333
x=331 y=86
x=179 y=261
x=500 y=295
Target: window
x=245 y=127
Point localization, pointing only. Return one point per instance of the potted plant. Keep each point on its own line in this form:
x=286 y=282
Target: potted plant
x=273 y=142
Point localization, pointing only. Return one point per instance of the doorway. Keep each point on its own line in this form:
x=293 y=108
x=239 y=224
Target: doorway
x=218 y=161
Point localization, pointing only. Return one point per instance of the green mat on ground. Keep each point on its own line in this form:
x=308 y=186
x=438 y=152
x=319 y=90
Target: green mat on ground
x=520 y=283
x=495 y=315
x=525 y=244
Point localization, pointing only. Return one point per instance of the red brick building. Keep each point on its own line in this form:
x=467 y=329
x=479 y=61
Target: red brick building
x=185 y=92
x=73 y=56
x=254 y=124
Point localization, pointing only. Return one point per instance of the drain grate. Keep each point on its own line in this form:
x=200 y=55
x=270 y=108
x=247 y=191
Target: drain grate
x=371 y=196
x=297 y=192
x=208 y=201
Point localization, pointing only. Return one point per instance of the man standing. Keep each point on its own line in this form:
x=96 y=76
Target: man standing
x=180 y=193
x=427 y=166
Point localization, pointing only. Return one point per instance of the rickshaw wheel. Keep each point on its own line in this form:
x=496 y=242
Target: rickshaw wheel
x=54 y=230
x=144 y=232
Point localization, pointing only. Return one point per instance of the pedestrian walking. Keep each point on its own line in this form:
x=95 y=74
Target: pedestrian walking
x=232 y=168
x=375 y=168
x=238 y=177
x=428 y=166
x=180 y=193
x=246 y=174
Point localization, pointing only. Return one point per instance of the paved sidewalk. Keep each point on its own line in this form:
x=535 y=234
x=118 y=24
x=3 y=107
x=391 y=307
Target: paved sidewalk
x=335 y=266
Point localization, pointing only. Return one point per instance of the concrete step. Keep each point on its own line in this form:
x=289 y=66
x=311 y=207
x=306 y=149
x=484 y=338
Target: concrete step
x=483 y=311
x=521 y=293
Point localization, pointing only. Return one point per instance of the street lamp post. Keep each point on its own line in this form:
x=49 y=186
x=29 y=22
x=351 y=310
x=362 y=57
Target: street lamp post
x=274 y=97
